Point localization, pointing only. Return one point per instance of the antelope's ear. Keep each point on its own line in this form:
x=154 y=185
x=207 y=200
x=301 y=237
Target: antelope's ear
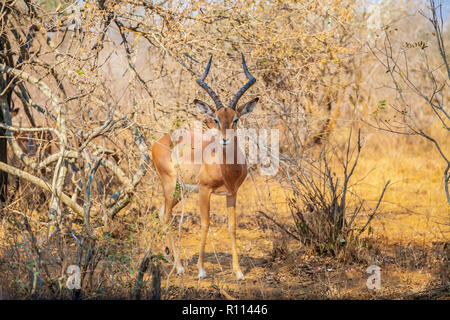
x=248 y=107
x=204 y=108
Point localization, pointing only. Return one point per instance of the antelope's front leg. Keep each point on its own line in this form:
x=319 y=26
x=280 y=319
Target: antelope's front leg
x=231 y=208
x=204 y=197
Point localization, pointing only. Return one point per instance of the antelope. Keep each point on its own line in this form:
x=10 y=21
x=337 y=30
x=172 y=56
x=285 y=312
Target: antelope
x=206 y=178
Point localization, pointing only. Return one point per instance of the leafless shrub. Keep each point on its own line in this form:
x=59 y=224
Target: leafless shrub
x=324 y=215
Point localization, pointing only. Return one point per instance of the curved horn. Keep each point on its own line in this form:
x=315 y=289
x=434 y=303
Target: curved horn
x=210 y=91
x=251 y=81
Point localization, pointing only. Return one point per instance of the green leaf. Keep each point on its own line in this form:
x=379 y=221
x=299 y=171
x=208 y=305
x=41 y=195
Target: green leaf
x=80 y=71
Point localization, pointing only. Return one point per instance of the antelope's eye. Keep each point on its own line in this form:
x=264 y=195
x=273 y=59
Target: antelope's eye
x=235 y=120
x=216 y=121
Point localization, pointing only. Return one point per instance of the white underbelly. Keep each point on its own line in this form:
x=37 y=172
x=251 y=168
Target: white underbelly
x=221 y=193
x=194 y=188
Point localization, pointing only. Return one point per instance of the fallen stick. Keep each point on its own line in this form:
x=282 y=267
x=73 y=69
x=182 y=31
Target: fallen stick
x=223 y=292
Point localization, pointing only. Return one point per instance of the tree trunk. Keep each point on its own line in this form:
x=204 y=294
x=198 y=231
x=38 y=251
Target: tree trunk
x=3 y=152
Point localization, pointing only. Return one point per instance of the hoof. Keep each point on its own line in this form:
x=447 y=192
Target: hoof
x=180 y=270
x=240 y=276
x=202 y=274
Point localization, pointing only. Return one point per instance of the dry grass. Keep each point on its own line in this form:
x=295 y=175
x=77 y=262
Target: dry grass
x=415 y=208
x=409 y=238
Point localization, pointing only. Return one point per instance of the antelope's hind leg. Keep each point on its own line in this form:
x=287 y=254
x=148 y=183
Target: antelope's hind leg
x=231 y=209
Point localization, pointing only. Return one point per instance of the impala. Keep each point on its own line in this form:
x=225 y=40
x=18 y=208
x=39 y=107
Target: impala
x=206 y=178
